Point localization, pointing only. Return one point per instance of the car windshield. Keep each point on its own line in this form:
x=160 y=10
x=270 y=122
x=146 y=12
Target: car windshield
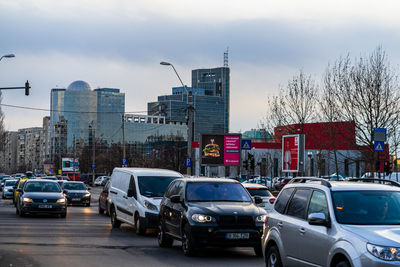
x=262 y=192
x=154 y=186
x=367 y=207
x=10 y=182
x=74 y=186
x=216 y=191
x=42 y=187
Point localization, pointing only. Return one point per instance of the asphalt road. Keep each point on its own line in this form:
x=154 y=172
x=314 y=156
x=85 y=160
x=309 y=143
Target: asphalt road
x=85 y=238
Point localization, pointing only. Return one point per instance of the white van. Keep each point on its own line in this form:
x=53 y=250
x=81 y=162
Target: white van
x=135 y=196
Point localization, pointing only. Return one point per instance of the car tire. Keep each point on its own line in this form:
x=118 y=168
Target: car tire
x=101 y=211
x=88 y=204
x=164 y=241
x=140 y=228
x=343 y=263
x=188 y=246
x=258 y=251
x=114 y=221
x=272 y=258
x=63 y=215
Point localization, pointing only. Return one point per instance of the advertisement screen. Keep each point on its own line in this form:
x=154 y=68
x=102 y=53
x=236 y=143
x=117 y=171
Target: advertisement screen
x=220 y=149
x=68 y=165
x=290 y=153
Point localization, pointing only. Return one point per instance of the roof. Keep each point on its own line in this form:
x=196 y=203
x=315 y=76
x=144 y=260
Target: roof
x=208 y=179
x=149 y=171
x=252 y=185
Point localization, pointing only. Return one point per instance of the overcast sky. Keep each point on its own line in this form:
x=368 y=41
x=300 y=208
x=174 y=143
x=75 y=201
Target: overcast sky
x=119 y=44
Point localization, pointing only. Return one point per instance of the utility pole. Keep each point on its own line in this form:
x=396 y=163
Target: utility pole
x=124 y=162
x=190 y=129
x=73 y=162
x=94 y=154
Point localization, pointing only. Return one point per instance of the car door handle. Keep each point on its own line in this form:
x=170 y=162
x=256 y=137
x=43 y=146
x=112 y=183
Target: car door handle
x=113 y=192
x=280 y=224
x=302 y=231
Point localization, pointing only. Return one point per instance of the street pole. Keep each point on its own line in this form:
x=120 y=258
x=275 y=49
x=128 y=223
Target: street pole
x=73 y=162
x=123 y=142
x=94 y=154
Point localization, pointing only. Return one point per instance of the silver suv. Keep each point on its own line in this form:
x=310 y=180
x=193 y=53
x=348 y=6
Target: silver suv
x=321 y=223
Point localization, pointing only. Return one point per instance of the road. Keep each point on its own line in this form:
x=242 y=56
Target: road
x=85 y=238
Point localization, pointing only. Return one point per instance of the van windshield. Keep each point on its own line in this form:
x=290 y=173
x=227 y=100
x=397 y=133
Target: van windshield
x=154 y=186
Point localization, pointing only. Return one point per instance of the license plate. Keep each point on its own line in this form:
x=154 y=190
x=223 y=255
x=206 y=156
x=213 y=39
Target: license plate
x=237 y=236
x=45 y=206
x=76 y=199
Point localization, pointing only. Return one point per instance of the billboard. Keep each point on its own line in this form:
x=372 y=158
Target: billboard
x=220 y=149
x=68 y=165
x=292 y=153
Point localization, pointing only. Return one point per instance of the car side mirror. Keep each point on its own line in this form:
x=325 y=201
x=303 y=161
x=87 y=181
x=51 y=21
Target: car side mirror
x=19 y=190
x=258 y=200
x=89 y=188
x=318 y=219
x=130 y=193
x=176 y=199
x=65 y=191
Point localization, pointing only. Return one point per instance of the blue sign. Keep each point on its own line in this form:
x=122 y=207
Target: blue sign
x=246 y=144
x=379 y=146
x=124 y=162
x=93 y=166
x=379 y=134
x=188 y=162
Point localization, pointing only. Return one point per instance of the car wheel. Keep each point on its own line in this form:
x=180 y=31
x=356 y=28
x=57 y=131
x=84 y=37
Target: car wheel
x=273 y=259
x=101 y=211
x=114 y=221
x=188 y=246
x=258 y=251
x=88 y=204
x=342 y=264
x=164 y=241
x=63 y=215
x=139 y=226
x=16 y=210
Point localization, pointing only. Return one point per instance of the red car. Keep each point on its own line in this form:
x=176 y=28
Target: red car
x=104 y=203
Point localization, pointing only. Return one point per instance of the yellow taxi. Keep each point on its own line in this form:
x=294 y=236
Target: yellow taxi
x=20 y=184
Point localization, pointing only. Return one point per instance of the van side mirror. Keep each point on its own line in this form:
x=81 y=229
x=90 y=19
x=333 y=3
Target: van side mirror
x=131 y=193
x=176 y=199
x=318 y=219
x=258 y=200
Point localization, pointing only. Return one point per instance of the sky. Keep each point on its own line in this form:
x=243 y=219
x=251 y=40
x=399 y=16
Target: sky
x=120 y=43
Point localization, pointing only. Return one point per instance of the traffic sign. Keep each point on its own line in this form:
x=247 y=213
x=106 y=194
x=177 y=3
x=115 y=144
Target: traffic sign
x=93 y=166
x=379 y=134
x=124 y=162
x=379 y=146
x=188 y=162
x=246 y=144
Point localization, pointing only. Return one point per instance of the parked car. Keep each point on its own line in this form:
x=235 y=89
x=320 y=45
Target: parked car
x=8 y=189
x=135 y=195
x=76 y=193
x=104 y=203
x=101 y=180
x=210 y=212
x=320 y=223
x=41 y=196
x=262 y=191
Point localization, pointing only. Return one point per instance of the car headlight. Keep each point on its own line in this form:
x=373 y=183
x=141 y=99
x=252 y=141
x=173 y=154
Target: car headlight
x=201 y=218
x=5 y=190
x=27 y=200
x=61 y=200
x=87 y=195
x=261 y=218
x=150 y=206
x=384 y=253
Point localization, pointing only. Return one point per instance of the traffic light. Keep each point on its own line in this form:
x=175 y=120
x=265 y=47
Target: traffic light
x=388 y=167
x=252 y=165
x=27 y=88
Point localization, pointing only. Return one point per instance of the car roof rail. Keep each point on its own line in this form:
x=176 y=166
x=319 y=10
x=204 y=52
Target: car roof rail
x=305 y=179
x=394 y=183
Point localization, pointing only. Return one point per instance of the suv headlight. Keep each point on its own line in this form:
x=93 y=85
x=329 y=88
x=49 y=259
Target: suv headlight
x=201 y=218
x=87 y=195
x=261 y=218
x=384 y=253
x=150 y=206
x=27 y=200
x=61 y=200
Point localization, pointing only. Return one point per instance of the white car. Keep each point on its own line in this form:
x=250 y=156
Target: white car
x=8 y=190
x=263 y=192
x=101 y=180
x=135 y=196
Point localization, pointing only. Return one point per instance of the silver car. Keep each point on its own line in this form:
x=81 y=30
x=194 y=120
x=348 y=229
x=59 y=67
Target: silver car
x=8 y=190
x=262 y=191
x=320 y=223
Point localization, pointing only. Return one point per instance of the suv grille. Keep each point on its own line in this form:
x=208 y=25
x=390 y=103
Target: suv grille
x=236 y=221
x=48 y=200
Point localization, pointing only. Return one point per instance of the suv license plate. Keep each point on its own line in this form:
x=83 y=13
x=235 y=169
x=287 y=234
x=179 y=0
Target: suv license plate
x=76 y=199
x=45 y=206
x=237 y=236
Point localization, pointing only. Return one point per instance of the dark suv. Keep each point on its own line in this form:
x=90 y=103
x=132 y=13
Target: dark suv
x=210 y=212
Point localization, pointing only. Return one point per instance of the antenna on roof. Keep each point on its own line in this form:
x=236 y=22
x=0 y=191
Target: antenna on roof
x=226 y=57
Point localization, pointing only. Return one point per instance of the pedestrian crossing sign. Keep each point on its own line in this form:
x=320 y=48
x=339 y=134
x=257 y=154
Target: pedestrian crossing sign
x=246 y=144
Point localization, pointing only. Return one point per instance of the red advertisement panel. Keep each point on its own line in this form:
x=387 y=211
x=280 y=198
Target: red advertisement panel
x=231 y=150
x=290 y=153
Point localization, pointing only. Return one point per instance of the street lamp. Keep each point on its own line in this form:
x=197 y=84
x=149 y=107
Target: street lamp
x=190 y=116
x=7 y=56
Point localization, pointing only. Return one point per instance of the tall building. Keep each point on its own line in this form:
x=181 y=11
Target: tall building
x=45 y=141
x=8 y=159
x=215 y=82
x=80 y=108
x=28 y=149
